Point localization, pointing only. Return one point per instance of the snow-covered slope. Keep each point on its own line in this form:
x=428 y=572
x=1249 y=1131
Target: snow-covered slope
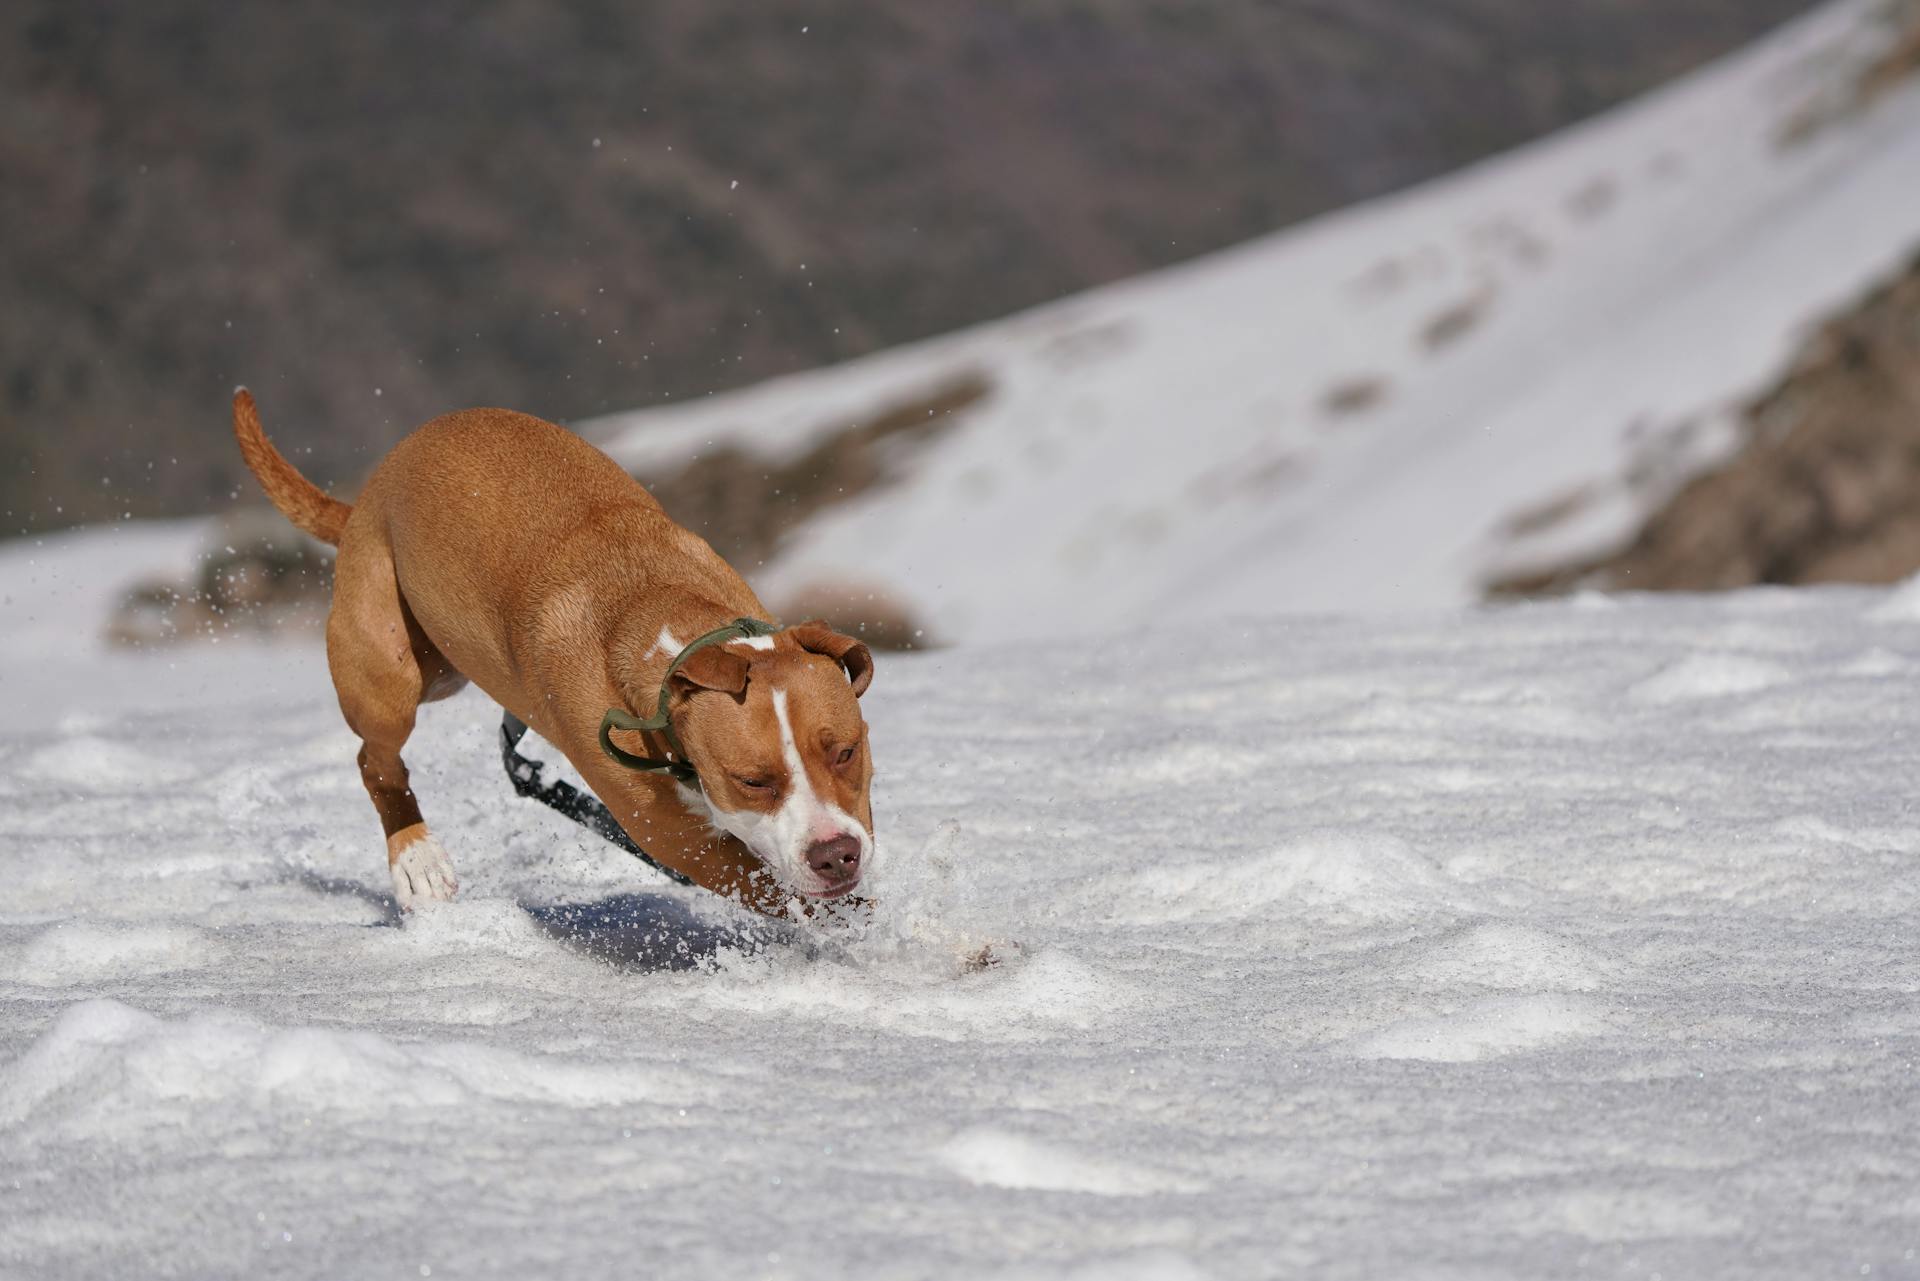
x=1564 y=940
x=1348 y=415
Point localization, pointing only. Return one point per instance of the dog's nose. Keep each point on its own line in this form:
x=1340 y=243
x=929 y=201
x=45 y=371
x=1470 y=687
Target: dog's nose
x=837 y=859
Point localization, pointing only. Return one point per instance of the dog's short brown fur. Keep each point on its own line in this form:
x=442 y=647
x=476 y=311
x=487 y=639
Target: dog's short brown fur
x=494 y=547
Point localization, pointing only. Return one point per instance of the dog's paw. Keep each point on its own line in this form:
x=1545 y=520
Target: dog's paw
x=422 y=873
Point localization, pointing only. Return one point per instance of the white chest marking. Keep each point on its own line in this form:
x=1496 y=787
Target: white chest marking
x=666 y=644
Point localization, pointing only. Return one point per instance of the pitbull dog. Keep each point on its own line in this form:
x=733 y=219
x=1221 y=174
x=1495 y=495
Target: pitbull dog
x=493 y=547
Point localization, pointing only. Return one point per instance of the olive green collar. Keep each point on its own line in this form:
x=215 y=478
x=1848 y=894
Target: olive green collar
x=676 y=763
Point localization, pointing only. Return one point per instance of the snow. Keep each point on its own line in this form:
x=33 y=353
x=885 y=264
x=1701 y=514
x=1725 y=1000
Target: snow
x=1551 y=940
x=43 y=596
x=1555 y=940
x=1574 y=325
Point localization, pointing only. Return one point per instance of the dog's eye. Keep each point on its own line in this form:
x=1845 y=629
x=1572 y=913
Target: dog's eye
x=846 y=756
x=756 y=784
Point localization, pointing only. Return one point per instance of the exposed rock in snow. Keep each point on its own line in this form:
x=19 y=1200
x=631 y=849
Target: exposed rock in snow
x=1824 y=481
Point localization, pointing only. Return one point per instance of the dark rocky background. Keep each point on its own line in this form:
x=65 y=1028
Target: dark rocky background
x=374 y=212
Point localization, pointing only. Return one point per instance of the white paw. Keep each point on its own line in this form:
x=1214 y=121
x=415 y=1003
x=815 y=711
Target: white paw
x=422 y=873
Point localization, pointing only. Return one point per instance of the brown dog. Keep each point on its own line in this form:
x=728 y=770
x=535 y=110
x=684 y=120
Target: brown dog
x=493 y=547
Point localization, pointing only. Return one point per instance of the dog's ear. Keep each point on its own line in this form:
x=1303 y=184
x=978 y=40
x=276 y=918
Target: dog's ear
x=817 y=638
x=712 y=668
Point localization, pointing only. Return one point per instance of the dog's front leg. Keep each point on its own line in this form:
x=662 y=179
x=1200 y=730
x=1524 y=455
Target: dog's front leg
x=662 y=825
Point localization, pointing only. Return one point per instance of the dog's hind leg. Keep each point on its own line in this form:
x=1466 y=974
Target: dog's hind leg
x=383 y=668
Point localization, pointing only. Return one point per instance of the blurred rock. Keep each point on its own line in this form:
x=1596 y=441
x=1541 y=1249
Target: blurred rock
x=871 y=613
x=743 y=504
x=1899 y=20
x=1825 y=489
x=156 y=611
x=257 y=575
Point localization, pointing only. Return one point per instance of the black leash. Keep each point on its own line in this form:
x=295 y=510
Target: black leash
x=566 y=800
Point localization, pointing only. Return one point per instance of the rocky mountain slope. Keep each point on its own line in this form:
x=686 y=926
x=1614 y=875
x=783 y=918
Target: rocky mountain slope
x=1824 y=486
x=375 y=212
x=1479 y=381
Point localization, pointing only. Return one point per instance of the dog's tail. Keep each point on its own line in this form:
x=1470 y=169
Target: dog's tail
x=299 y=499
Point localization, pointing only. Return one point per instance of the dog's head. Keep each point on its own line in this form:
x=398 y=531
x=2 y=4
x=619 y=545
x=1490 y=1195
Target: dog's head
x=773 y=726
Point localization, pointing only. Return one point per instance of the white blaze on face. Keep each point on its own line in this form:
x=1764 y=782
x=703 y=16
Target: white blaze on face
x=803 y=819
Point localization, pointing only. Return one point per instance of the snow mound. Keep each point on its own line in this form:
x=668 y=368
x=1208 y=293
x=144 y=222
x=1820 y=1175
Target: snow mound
x=102 y=765
x=1641 y=1215
x=1901 y=604
x=1503 y=955
x=1184 y=763
x=78 y=952
x=1903 y=839
x=1876 y=662
x=1027 y=996
x=1337 y=874
x=1703 y=676
x=103 y=1063
x=1486 y=1028
x=1002 y=1158
x=1141 y=1265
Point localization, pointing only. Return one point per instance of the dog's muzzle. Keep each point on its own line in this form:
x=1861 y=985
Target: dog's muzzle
x=837 y=863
